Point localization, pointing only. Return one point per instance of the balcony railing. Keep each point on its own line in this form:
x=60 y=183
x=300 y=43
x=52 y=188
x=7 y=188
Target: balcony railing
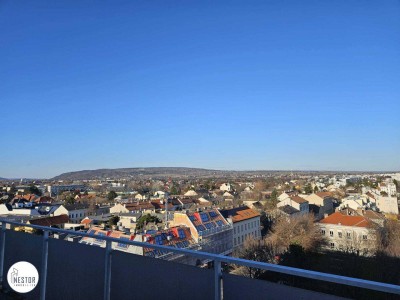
x=69 y=270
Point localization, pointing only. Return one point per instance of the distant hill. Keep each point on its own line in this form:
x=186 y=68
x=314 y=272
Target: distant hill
x=181 y=172
x=136 y=172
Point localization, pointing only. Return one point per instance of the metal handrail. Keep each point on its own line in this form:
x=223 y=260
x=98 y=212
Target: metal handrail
x=217 y=258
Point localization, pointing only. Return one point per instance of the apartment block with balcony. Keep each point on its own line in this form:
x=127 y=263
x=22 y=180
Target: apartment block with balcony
x=209 y=228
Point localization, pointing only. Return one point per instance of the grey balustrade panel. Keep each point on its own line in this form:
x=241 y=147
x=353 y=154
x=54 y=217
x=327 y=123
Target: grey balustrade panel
x=75 y=271
x=138 y=277
x=20 y=246
x=238 y=287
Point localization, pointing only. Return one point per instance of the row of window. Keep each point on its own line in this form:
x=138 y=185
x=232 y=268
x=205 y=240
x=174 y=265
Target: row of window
x=241 y=239
x=340 y=234
x=74 y=216
x=243 y=227
x=341 y=248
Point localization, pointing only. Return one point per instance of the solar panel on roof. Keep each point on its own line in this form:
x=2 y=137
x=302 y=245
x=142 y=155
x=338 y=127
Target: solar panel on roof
x=192 y=218
x=213 y=214
x=181 y=233
x=200 y=228
x=208 y=225
x=204 y=217
x=159 y=239
x=220 y=223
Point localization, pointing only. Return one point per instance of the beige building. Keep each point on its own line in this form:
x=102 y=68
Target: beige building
x=350 y=233
x=246 y=224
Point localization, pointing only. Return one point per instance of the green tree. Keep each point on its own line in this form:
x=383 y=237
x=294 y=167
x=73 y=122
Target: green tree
x=69 y=199
x=146 y=219
x=396 y=183
x=274 y=195
x=308 y=189
x=113 y=221
x=34 y=190
x=174 y=190
x=316 y=189
x=111 y=195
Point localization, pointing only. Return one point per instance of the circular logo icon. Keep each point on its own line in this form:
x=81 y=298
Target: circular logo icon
x=22 y=277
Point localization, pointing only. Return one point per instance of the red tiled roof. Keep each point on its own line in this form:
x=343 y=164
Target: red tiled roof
x=324 y=194
x=240 y=213
x=339 y=219
x=50 y=221
x=86 y=221
x=298 y=199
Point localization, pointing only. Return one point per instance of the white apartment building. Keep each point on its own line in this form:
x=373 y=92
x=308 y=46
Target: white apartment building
x=226 y=187
x=388 y=187
x=348 y=233
x=76 y=212
x=246 y=223
x=296 y=202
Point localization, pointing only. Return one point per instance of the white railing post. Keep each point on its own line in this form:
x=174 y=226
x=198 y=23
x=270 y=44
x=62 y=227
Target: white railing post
x=43 y=273
x=217 y=279
x=107 y=271
x=2 y=249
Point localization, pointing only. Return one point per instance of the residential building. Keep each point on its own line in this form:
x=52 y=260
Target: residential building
x=350 y=233
x=76 y=212
x=246 y=224
x=388 y=187
x=320 y=203
x=178 y=236
x=226 y=187
x=57 y=189
x=208 y=228
x=298 y=203
x=56 y=221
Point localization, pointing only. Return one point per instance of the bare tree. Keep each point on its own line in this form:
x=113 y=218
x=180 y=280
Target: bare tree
x=256 y=250
x=388 y=238
x=300 y=230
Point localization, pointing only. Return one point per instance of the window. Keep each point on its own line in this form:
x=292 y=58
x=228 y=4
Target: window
x=234 y=241
x=339 y=234
x=234 y=230
x=364 y=236
x=348 y=234
x=242 y=227
x=332 y=245
x=323 y=231
x=331 y=232
x=245 y=226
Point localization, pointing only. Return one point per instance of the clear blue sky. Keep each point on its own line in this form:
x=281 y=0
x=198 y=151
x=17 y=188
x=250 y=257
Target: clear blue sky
x=213 y=84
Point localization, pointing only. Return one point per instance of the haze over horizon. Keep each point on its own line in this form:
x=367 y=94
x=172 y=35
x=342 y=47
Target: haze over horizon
x=265 y=85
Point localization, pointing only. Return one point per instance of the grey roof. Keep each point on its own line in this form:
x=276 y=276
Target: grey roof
x=288 y=209
x=76 y=206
